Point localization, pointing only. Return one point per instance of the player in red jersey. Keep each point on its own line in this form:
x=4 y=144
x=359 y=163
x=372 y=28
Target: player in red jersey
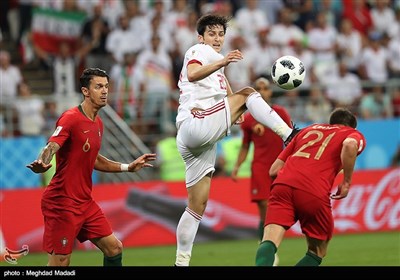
x=304 y=174
x=267 y=146
x=68 y=208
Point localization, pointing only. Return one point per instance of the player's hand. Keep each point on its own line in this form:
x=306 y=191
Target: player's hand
x=258 y=129
x=233 y=56
x=234 y=174
x=140 y=162
x=39 y=166
x=342 y=191
x=240 y=119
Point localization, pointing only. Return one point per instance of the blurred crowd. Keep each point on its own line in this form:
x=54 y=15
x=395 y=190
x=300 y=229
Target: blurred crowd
x=350 y=48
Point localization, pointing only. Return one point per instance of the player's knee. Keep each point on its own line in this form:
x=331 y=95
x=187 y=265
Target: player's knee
x=114 y=248
x=318 y=251
x=204 y=206
x=247 y=91
x=118 y=248
x=59 y=260
x=322 y=253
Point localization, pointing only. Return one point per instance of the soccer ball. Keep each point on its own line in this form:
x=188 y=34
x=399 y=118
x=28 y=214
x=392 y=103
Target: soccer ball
x=288 y=72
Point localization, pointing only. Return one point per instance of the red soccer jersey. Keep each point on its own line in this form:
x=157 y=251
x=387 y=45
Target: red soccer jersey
x=312 y=159
x=267 y=145
x=80 y=142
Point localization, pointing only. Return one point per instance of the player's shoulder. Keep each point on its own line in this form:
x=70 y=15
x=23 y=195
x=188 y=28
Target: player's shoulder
x=194 y=48
x=350 y=130
x=201 y=48
x=70 y=113
x=354 y=133
x=194 y=52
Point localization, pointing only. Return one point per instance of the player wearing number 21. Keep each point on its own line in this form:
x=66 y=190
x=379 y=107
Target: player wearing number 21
x=68 y=208
x=304 y=174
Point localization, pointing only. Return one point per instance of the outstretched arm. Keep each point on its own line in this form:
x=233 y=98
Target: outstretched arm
x=244 y=150
x=198 y=72
x=106 y=165
x=275 y=167
x=348 y=157
x=42 y=164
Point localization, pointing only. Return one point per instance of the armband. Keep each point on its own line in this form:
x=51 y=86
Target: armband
x=124 y=167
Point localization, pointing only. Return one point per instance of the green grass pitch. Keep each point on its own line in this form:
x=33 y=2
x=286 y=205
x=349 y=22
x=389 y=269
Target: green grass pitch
x=369 y=249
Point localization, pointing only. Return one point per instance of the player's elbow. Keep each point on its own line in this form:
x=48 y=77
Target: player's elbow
x=275 y=167
x=350 y=143
x=272 y=173
x=191 y=77
x=350 y=147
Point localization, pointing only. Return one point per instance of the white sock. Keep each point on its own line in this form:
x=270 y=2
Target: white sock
x=265 y=115
x=276 y=260
x=185 y=235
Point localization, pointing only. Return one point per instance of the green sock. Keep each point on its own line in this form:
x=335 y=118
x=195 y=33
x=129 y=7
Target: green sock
x=260 y=230
x=310 y=259
x=113 y=261
x=266 y=253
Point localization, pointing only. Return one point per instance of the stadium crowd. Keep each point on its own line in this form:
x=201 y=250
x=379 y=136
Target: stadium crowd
x=350 y=48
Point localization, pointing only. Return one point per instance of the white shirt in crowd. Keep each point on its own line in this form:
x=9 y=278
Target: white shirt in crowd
x=30 y=115
x=375 y=63
x=10 y=78
x=344 y=89
x=351 y=45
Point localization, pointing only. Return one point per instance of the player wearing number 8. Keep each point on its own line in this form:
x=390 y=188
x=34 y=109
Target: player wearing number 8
x=304 y=174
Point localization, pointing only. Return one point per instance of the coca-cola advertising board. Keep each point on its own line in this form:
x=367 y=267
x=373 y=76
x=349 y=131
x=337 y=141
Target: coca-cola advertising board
x=139 y=211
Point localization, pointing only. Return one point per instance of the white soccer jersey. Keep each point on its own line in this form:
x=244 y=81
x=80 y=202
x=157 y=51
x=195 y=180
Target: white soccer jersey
x=204 y=93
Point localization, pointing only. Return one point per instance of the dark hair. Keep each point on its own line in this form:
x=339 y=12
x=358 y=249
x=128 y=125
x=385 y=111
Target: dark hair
x=211 y=20
x=343 y=116
x=89 y=73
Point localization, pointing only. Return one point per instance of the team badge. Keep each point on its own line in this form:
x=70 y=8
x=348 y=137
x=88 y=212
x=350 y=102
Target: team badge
x=64 y=241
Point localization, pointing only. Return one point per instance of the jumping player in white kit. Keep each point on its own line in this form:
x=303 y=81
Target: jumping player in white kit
x=207 y=110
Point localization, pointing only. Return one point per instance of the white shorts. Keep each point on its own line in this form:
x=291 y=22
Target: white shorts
x=197 y=139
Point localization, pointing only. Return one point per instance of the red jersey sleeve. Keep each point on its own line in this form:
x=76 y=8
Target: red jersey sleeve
x=360 y=140
x=286 y=152
x=63 y=130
